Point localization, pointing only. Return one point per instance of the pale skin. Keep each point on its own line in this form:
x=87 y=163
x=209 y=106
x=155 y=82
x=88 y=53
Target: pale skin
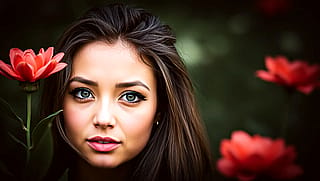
x=111 y=94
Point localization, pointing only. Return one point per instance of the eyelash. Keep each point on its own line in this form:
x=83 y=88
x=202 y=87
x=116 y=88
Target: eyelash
x=76 y=93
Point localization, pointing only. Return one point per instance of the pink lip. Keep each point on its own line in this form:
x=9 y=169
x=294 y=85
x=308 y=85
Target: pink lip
x=103 y=144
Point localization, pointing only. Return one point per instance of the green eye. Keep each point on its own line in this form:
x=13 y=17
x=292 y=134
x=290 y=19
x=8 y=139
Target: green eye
x=132 y=97
x=82 y=93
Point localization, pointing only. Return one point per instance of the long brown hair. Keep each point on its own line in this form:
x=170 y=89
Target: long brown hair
x=178 y=148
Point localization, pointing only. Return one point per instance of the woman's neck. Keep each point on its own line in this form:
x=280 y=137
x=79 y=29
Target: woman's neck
x=84 y=171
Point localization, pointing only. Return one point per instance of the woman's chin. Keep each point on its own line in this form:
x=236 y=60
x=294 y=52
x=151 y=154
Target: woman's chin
x=103 y=164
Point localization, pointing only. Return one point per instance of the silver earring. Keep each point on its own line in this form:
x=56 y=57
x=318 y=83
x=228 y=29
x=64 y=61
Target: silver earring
x=157 y=123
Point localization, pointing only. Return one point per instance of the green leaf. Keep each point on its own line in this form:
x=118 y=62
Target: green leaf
x=17 y=140
x=6 y=108
x=41 y=128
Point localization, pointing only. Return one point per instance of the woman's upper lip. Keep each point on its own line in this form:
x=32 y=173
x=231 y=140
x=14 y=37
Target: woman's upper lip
x=104 y=139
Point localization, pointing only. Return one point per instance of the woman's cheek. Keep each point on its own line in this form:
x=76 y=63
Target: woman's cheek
x=74 y=119
x=140 y=126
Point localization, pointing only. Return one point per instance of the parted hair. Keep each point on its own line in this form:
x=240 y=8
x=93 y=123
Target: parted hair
x=178 y=148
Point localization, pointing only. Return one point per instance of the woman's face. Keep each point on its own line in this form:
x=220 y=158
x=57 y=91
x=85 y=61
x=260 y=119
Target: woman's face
x=110 y=103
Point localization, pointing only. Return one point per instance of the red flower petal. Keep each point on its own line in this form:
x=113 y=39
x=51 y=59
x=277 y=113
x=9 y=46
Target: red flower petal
x=17 y=60
x=275 y=150
x=8 y=71
x=29 y=51
x=254 y=163
x=260 y=145
x=227 y=167
x=47 y=55
x=13 y=53
x=46 y=70
x=241 y=143
x=58 y=67
x=282 y=69
x=224 y=148
x=270 y=65
x=39 y=59
x=29 y=59
x=267 y=76
x=313 y=72
x=306 y=89
x=26 y=71
x=58 y=57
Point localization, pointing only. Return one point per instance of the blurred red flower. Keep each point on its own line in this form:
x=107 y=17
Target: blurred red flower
x=26 y=66
x=247 y=158
x=274 y=7
x=296 y=74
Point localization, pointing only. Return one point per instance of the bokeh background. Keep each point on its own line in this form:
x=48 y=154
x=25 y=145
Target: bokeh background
x=223 y=43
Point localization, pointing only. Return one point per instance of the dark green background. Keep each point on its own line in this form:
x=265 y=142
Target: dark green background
x=223 y=43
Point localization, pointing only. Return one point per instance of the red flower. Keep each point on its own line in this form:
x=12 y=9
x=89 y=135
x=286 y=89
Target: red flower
x=247 y=157
x=28 y=67
x=296 y=74
x=274 y=7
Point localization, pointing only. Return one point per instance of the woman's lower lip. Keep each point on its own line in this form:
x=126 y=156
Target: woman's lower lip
x=103 y=147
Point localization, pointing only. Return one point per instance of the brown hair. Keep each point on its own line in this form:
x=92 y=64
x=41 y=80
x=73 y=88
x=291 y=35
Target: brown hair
x=178 y=148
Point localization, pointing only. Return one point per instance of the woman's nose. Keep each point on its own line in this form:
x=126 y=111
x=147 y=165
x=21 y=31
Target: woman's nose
x=104 y=116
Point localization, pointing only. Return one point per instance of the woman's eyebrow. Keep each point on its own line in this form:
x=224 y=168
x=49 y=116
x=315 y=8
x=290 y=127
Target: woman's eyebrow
x=131 y=84
x=83 y=80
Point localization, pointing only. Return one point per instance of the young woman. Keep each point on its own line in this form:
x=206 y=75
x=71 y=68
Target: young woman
x=129 y=111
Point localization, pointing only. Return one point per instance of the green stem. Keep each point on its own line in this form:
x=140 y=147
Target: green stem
x=29 y=110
